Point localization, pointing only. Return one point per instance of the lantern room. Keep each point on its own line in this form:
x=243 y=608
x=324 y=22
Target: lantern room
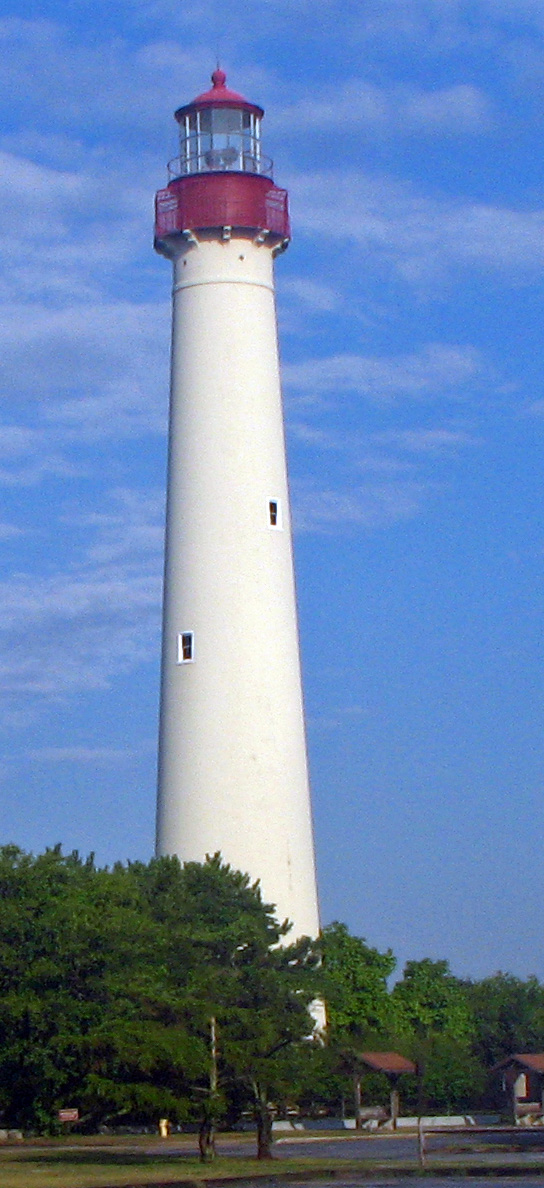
x=221 y=183
x=220 y=132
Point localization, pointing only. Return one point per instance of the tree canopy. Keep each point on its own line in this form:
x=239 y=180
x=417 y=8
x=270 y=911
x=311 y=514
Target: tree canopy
x=109 y=978
x=154 y=989
x=355 y=983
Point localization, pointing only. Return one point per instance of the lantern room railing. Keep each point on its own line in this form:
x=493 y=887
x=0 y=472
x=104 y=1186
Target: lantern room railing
x=227 y=158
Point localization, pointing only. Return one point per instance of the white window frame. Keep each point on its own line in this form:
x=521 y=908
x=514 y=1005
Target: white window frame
x=180 y=658
x=278 y=526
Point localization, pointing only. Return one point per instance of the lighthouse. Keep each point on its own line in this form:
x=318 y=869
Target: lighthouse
x=233 y=771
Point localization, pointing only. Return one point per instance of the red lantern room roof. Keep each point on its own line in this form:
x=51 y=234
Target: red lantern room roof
x=219 y=96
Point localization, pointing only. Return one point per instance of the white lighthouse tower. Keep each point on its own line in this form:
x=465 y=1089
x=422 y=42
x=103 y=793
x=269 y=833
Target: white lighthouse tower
x=232 y=754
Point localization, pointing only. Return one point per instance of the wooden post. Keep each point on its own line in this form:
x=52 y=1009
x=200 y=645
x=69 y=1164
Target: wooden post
x=394 y=1104
x=421 y=1143
x=357 y=1099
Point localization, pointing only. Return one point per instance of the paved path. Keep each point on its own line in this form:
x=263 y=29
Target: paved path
x=462 y=1147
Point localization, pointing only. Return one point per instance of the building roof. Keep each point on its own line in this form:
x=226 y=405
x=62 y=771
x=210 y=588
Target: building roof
x=218 y=96
x=534 y=1061
x=387 y=1062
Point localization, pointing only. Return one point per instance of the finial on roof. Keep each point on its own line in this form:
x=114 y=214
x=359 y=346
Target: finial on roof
x=219 y=78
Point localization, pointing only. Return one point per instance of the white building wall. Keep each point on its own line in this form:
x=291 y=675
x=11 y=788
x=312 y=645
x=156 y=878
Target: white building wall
x=232 y=756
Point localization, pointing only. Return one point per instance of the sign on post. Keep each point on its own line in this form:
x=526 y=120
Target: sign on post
x=68 y=1115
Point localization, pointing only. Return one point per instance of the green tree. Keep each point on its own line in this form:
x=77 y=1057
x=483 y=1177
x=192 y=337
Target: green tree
x=267 y=1019
x=355 y=984
x=453 y=1078
x=433 y=1016
x=358 y=1006
x=109 y=980
x=225 y=952
x=88 y=1013
x=429 y=999
x=508 y=1014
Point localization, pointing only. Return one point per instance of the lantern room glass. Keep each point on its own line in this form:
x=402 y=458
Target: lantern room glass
x=221 y=139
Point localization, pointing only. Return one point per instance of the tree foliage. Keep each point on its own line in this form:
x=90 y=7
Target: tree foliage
x=112 y=982
x=108 y=980
x=508 y=1016
x=355 y=982
x=430 y=1001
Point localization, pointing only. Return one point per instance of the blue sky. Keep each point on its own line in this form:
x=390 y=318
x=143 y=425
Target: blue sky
x=410 y=303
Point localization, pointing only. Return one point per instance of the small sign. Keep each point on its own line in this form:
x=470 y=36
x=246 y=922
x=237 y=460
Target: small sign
x=69 y=1115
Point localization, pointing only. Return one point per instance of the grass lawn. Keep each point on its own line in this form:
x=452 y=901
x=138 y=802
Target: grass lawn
x=92 y=1168
x=140 y=1162
x=136 y=1162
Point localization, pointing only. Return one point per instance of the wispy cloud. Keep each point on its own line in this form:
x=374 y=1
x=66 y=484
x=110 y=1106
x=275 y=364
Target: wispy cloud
x=80 y=626
x=436 y=369
x=131 y=528
x=97 y=370
x=441 y=26
x=312 y=294
x=9 y=531
x=92 y=755
x=426 y=441
x=378 y=477
x=535 y=408
x=338 y=716
x=403 y=110
x=369 y=505
x=420 y=238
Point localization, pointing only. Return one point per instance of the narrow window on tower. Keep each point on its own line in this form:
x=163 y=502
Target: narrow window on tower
x=186 y=647
x=274 y=513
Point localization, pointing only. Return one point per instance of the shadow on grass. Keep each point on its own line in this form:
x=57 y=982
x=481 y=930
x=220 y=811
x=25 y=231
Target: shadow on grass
x=90 y=1158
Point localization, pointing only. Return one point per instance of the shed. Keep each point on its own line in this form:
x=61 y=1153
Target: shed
x=523 y=1083
x=394 y=1066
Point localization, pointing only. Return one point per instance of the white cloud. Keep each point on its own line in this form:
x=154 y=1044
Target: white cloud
x=441 y=26
x=110 y=83
x=79 y=627
x=73 y=596
x=436 y=369
x=133 y=528
x=429 y=440
x=114 y=355
x=66 y=235
x=26 y=186
x=108 y=755
x=370 y=505
x=339 y=716
x=27 y=455
x=379 y=477
x=311 y=293
x=535 y=408
x=400 y=109
x=421 y=238
x=9 y=531
x=70 y=652
x=17 y=440
x=425 y=441
x=311 y=435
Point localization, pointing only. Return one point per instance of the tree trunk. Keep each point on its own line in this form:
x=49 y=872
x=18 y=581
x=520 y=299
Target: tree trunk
x=263 y=1118
x=206 y=1134
x=264 y=1135
x=206 y=1140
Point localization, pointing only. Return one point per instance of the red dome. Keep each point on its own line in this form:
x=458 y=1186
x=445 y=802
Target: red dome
x=219 y=96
